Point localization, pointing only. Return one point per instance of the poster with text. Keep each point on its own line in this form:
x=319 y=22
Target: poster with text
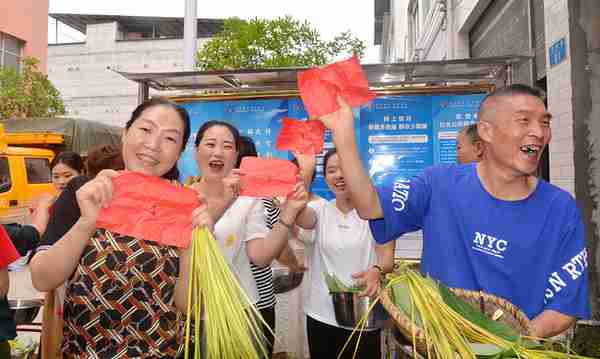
x=450 y=113
x=319 y=186
x=396 y=135
x=259 y=119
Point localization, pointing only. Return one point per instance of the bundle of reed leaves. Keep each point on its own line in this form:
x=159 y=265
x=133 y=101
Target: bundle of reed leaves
x=453 y=328
x=231 y=324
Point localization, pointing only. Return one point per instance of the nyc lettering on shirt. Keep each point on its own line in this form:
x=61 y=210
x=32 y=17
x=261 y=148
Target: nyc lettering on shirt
x=400 y=194
x=569 y=272
x=490 y=245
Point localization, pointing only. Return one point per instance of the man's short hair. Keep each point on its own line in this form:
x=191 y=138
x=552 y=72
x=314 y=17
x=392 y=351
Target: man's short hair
x=471 y=132
x=508 y=91
x=516 y=89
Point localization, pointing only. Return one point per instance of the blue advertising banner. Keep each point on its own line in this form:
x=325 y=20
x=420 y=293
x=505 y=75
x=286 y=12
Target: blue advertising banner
x=450 y=113
x=396 y=135
x=259 y=119
x=200 y=112
x=400 y=135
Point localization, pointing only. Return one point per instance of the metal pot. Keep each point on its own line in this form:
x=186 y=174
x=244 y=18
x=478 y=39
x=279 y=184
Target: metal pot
x=284 y=280
x=24 y=311
x=349 y=309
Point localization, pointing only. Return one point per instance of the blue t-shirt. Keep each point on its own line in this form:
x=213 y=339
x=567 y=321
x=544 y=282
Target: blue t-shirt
x=530 y=252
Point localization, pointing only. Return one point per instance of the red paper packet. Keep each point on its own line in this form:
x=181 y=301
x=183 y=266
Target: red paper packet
x=262 y=177
x=8 y=252
x=319 y=87
x=150 y=208
x=306 y=137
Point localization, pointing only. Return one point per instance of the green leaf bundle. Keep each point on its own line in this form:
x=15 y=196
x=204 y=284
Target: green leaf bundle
x=231 y=324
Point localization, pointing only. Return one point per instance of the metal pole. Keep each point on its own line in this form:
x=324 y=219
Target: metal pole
x=190 y=34
x=143 y=92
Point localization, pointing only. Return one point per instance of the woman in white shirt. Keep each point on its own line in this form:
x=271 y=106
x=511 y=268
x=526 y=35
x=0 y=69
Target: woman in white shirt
x=240 y=227
x=342 y=245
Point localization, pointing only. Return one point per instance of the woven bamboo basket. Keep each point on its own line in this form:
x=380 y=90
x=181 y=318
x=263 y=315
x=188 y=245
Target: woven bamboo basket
x=488 y=304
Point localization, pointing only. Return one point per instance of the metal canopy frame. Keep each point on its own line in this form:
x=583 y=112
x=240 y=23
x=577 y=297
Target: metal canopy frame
x=383 y=78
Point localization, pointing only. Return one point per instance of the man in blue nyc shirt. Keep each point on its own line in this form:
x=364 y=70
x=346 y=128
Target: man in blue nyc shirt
x=490 y=226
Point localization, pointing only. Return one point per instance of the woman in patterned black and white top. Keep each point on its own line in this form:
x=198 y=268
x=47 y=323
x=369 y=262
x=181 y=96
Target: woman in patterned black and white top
x=116 y=305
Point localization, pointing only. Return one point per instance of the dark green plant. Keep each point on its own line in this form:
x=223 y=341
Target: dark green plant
x=281 y=42
x=28 y=92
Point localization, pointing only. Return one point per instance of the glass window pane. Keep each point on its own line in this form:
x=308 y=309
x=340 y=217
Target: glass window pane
x=11 y=61
x=12 y=45
x=38 y=170
x=5 y=181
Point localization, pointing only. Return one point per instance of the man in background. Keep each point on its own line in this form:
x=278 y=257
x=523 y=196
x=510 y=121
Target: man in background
x=469 y=147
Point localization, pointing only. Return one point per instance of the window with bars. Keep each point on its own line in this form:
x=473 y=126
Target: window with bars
x=10 y=51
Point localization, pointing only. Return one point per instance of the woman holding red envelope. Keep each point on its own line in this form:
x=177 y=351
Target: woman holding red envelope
x=241 y=228
x=344 y=246
x=122 y=290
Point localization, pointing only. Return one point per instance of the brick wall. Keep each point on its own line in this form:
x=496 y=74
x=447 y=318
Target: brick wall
x=560 y=99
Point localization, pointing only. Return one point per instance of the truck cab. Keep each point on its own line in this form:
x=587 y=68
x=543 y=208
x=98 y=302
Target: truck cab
x=27 y=146
x=24 y=172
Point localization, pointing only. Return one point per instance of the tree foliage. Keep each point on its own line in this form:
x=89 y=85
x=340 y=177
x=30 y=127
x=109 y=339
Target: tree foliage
x=281 y=42
x=28 y=92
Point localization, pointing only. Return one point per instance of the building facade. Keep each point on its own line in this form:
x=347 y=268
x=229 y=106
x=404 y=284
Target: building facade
x=85 y=73
x=561 y=37
x=21 y=34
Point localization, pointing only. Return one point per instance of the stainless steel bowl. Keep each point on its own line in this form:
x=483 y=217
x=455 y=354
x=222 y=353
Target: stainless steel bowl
x=24 y=311
x=349 y=309
x=284 y=280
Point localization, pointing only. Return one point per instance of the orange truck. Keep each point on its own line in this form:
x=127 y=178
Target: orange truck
x=27 y=146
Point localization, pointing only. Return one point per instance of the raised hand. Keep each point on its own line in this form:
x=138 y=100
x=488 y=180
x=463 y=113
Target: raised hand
x=95 y=194
x=232 y=185
x=201 y=217
x=296 y=201
x=307 y=164
x=340 y=119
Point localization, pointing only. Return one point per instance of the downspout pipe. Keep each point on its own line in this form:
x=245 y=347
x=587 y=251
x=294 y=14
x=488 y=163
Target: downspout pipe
x=190 y=34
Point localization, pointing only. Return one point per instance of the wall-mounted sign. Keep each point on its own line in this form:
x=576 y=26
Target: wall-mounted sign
x=557 y=52
x=399 y=134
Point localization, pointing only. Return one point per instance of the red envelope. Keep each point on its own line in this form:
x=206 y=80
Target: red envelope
x=8 y=252
x=262 y=177
x=306 y=137
x=319 y=88
x=319 y=97
x=150 y=208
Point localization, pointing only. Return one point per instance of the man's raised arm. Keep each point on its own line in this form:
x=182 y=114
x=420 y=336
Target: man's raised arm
x=364 y=195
